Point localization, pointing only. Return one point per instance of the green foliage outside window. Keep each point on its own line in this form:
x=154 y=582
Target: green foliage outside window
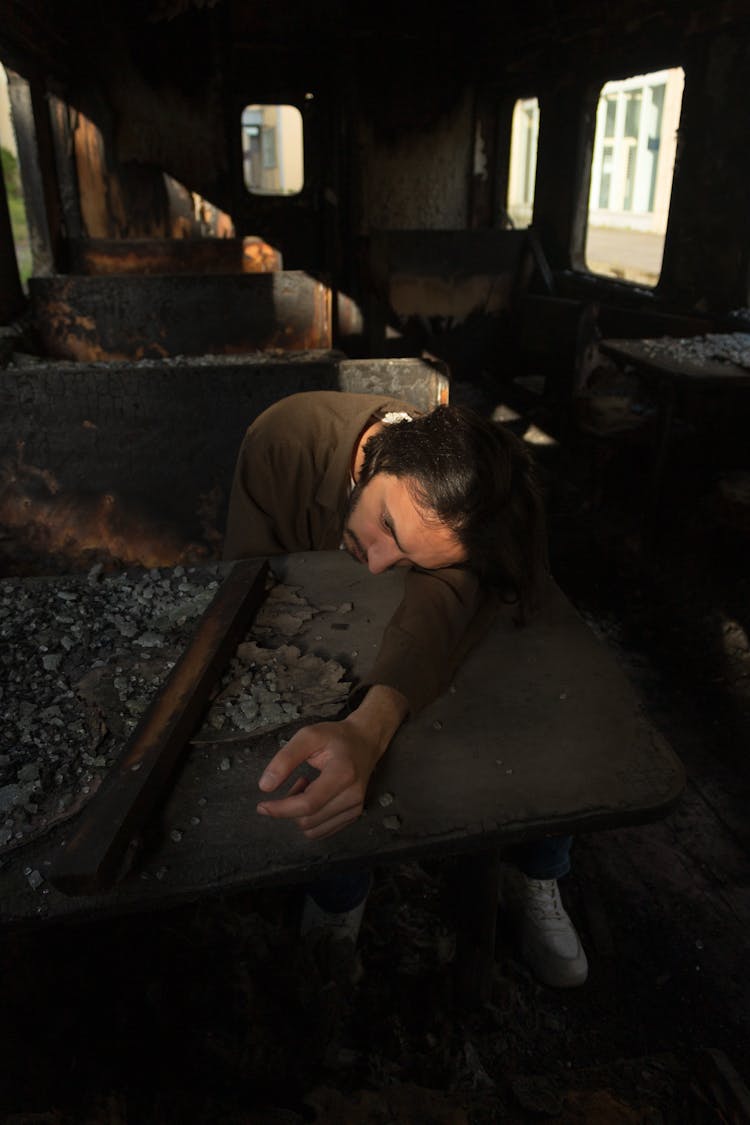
x=17 y=209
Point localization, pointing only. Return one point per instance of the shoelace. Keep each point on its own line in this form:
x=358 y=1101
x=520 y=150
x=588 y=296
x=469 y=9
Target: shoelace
x=543 y=900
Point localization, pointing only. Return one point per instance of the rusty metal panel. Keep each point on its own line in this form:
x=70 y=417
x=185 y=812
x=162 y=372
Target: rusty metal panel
x=424 y=383
x=94 y=854
x=259 y=257
x=136 y=317
x=100 y=207
x=169 y=256
x=447 y=273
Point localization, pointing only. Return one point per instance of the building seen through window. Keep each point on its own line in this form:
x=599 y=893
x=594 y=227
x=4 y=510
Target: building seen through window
x=522 y=168
x=631 y=175
x=272 y=149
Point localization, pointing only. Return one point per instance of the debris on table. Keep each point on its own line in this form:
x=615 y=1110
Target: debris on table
x=82 y=656
x=73 y=683
x=724 y=347
x=269 y=687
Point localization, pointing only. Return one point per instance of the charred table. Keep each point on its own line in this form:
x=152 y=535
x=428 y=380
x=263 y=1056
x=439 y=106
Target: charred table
x=540 y=734
x=716 y=362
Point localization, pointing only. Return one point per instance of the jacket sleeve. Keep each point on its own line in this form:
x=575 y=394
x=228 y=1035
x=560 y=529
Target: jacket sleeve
x=441 y=616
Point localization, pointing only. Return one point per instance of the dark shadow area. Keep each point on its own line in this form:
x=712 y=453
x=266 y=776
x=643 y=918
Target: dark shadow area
x=220 y=1012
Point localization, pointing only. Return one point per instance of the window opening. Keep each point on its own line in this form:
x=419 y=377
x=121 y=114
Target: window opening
x=524 y=140
x=272 y=149
x=631 y=175
x=13 y=186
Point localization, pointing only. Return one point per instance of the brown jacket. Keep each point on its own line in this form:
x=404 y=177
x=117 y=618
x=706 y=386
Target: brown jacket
x=290 y=493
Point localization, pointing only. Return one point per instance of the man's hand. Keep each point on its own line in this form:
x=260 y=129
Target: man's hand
x=345 y=753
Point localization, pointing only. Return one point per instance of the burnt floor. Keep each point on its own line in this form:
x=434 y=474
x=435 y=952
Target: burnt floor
x=219 y=1013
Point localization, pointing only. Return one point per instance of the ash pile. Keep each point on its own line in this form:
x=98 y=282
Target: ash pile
x=724 y=347
x=82 y=656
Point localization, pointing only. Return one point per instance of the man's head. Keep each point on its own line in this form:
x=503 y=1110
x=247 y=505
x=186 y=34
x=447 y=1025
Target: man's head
x=450 y=488
x=387 y=527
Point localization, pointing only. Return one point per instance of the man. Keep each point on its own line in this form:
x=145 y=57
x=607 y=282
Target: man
x=451 y=499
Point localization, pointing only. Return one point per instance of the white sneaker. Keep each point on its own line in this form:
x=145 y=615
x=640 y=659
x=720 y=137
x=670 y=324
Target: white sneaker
x=344 y=925
x=547 y=937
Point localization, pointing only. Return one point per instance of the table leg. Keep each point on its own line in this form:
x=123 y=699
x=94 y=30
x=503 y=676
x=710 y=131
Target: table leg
x=476 y=892
x=663 y=441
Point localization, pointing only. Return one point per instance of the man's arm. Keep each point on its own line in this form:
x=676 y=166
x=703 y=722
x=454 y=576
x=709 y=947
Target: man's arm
x=442 y=615
x=346 y=753
x=423 y=643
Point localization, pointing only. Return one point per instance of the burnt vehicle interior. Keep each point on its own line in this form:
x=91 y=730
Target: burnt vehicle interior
x=209 y=204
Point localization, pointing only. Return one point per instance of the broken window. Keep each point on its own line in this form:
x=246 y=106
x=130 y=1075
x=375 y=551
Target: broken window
x=631 y=175
x=524 y=139
x=272 y=149
x=13 y=186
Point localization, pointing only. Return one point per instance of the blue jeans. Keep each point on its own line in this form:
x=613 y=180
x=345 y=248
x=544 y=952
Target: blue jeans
x=339 y=893
x=548 y=858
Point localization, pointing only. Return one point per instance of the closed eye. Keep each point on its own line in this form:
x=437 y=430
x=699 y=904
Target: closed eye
x=388 y=526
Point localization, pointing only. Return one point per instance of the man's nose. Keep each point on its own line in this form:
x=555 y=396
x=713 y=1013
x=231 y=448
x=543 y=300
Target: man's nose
x=382 y=555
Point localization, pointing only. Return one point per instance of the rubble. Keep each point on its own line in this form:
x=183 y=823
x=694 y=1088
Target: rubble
x=726 y=347
x=66 y=645
x=269 y=687
x=82 y=656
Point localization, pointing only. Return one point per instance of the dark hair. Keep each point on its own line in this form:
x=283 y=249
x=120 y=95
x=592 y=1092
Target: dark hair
x=477 y=478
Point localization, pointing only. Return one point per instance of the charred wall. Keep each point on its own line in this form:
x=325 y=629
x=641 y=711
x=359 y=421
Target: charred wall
x=708 y=239
x=406 y=116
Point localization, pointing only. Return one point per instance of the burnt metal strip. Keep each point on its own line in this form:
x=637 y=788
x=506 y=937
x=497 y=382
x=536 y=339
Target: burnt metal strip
x=94 y=855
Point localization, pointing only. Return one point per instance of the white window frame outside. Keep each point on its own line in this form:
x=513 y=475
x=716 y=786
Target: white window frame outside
x=272 y=149
x=524 y=142
x=641 y=215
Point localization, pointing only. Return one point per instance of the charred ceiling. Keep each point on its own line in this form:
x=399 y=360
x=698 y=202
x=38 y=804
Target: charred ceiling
x=406 y=115
x=173 y=42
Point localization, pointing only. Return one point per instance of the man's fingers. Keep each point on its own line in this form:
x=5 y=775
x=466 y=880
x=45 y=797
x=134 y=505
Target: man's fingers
x=350 y=800
x=342 y=810
x=318 y=800
x=299 y=786
x=333 y=825
x=297 y=750
x=287 y=808
x=344 y=754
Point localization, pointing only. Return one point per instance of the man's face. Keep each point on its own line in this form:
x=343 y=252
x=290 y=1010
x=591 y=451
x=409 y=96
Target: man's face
x=385 y=528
